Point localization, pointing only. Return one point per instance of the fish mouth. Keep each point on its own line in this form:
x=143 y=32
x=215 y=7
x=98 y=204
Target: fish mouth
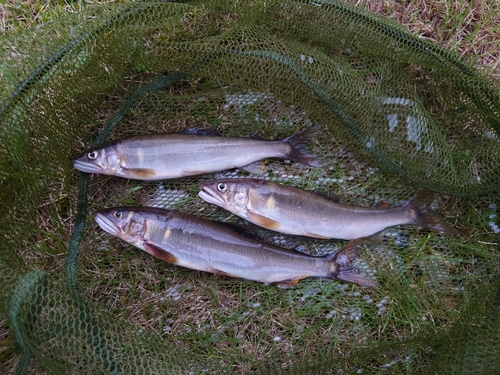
x=210 y=196
x=85 y=166
x=106 y=224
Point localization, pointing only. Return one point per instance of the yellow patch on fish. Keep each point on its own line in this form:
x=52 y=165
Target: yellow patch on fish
x=160 y=253
x=140 y=172
x=166 y=235
x=122 y=158
x=140 y=155
x=263 y=221
x=271 y=202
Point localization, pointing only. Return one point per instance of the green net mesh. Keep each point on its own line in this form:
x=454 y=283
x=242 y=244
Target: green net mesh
x=399 y=114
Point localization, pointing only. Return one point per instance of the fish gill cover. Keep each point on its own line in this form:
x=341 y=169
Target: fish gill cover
x=399 y=114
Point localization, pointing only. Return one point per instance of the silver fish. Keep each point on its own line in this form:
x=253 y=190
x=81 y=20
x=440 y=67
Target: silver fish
x=176 y=155
x=291 y=210
x=200 y=244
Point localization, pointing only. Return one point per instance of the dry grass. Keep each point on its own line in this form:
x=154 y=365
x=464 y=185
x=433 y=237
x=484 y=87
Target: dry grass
x=469 y=27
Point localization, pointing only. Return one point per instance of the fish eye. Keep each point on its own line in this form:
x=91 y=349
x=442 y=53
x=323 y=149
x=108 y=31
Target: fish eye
x=118 y=214
x=222 y=187
x=92 y=155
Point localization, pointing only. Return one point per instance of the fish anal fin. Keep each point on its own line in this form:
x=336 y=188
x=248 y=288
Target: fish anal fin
x=160 y=253
x=221 y=273
x=290 y=281
x=314 y=235
x=139 y=172
x=263 y=221
x=193 y=173
x=256 y=168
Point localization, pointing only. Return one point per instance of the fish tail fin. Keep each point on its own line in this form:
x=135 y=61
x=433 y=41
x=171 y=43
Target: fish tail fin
x=343 y=270
x=425 y=216
x=299 y=152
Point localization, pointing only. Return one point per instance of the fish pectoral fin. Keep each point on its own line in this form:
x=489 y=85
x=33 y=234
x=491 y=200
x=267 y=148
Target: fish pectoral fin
x=256 y=168
x=290 y=281
x=160 y=253
x=262 y=220
x=139 y=172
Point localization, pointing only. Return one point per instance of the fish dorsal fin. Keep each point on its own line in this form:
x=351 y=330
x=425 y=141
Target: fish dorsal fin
x=258 y=136
x=241 y=229
x=331 y=197
x=201 y=131
x=381 y=204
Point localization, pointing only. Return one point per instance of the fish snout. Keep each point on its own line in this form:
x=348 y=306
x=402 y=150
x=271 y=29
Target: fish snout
x=211 y=196
x=107 y=224
x=85 y=166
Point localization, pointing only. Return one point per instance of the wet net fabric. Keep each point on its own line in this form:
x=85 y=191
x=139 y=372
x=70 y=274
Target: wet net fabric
x=398 y=114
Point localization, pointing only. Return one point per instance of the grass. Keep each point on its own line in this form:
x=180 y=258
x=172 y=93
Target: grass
x=466 y=26
x=17 y=15
x=236 y=316
x=238 y=324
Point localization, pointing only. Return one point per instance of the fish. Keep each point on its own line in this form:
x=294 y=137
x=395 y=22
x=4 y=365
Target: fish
x=291 y=210
x=191 y=153
x=223 y=248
